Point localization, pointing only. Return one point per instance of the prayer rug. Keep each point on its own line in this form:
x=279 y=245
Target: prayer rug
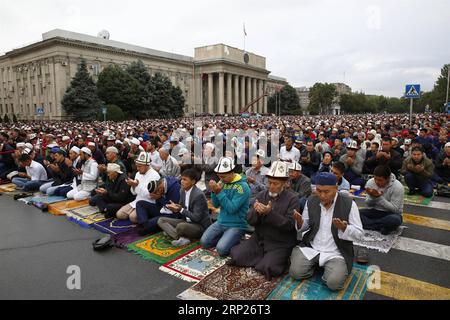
x=417 y=199
x=315 y=289
x=113 y=226
x=125 y=238
x=194 y=266
x=158 y=248
x=87 y=222
x=6 y=188
x=45 y=199
x=375 y=240
x=231 y=283
x=58 y=209
x=4 y=181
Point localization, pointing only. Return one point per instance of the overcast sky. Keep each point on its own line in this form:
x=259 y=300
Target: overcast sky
x=374 y=46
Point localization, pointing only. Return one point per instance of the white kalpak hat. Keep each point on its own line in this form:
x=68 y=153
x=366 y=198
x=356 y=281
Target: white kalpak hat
x=353 y=145
x=295 y=166
x=112 y=149
x=143 y=158
x=279 y=170
x=225 y=165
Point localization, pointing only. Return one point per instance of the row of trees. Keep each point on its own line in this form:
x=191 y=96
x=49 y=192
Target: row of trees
x=132 y=93
x=323 y=95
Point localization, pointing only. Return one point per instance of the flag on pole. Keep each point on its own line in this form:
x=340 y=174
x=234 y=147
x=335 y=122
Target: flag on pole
x=245 y=32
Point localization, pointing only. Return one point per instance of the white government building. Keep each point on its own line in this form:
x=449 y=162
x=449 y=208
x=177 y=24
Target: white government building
x=219 y=79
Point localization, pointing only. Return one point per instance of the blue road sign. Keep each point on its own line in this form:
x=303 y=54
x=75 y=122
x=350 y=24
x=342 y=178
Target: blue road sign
x=412 y=91
x=40 y=111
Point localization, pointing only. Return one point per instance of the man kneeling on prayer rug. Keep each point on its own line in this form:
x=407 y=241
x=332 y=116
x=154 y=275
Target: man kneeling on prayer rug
x=272 y=215
x=329 y=225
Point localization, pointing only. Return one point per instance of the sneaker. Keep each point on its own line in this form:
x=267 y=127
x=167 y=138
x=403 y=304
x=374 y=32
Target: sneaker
x=362 y=256
x=181 y=242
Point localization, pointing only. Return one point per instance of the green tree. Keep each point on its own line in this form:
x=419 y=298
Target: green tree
x=438 y=95
x=287 y=100
x=6 y=118
x=14 y=118
x=321 y=97
x=80 y=100
x=113 y=113
x=117 y=87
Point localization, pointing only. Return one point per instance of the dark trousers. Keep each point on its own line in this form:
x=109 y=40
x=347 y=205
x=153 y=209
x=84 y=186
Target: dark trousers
x=109 y=209
x=354 y=179
x=148 y=215
x=415 y=182
x=380 y=220
x=63 y=191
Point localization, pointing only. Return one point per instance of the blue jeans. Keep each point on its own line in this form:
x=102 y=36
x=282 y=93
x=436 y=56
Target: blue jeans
x=380 y=220
x=414 y=182
x=27 y=185
x=222 y=238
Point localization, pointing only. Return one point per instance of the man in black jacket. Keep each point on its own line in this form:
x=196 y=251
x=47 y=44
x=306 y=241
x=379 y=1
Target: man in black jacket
x=310 y=160
x=116 y=195
x=387 y=156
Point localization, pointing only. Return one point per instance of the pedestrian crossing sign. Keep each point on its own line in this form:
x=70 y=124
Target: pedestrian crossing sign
x=412 y=91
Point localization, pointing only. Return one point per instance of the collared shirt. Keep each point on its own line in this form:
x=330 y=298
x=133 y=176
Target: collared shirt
x=186 y=202
x=156 y=162
x=260 y=177
x=323 y=243
x=36 y=171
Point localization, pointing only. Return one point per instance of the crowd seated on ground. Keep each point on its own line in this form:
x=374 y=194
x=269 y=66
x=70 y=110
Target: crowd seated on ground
x=217 y=178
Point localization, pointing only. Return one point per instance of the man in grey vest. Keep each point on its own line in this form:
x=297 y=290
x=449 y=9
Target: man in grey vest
x=329 y=224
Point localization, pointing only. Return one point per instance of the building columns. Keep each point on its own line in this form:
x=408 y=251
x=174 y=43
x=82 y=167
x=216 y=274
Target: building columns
x=236 y=94
x=260 y=93
x=210 y=93
x=242 y=92
x=221 y=93
x=229 y=109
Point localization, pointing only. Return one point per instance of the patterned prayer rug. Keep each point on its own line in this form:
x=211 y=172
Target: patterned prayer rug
x=375 y=240
x=58 y=209
x=194 y=266
x=231 y=283
x=86 y=222
x=158 y=248
x=315 y=289
x=6 y=188
x=113 y=226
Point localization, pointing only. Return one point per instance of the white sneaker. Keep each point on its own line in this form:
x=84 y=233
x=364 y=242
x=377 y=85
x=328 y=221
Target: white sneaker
x=181 y=242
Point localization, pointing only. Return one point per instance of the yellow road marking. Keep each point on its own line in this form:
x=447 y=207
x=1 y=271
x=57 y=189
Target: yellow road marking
x=404 y=288
x=426 y=222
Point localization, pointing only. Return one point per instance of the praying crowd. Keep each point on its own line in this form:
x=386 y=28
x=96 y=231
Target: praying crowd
x=287 y=181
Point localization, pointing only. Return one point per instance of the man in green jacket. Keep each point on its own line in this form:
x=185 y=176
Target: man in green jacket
x=418 y=170
x=232 y=196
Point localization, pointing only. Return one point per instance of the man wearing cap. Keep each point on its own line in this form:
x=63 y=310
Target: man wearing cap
x=271 y=244
x=170 y=167
x=299 y=184
x=97 y=155
x=112 y=156
x=322 y=146
x=89 y=176
x=115 y=194
x=132 y=155
x=34 y=177
x=139 y=187
x=257 y=175
x=328 y=226
x=406 y=148
x=232 y=196
x=418 y=171
x=443 y=165
x=60 y=170
x=156 y=162
x=353 y=164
